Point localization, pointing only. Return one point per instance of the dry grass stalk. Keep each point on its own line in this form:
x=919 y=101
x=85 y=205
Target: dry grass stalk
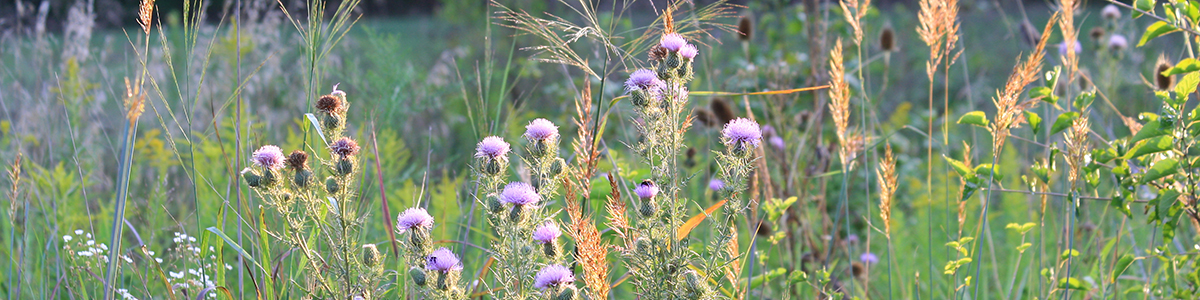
x=617 y=219
x=1077 y=148
x=939 y=31
x=591 y=252
x=839 y=92
x=135 y=100
x=586 y=153
x=1009 y=109
x=962 y=203
x=1066 y=23
x=145 y=13
x=887 y=186
x=854 y=11
x=734 y=268
x=14 y=176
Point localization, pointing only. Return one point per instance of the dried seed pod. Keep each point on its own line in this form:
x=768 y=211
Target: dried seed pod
x=722 y=110
x=745 y=28
x=1162 y=82
x=887 y=39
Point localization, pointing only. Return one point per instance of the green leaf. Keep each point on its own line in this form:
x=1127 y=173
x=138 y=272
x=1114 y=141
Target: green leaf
x=963 y=169
x=1084 y=100
x=1035 y=121
x=1142 y=5
x=1119 y=203
x=976 y=118
x=1151 y=145
x=1063 y=122
x=1074 y=284
x=1122 y=265
x=1186 y=65
x=245 y=255
x=1155 y=30
x=1187 y=84
x=986 y=169
x=1152 y=128
x=1071 y=252
x=1043 y=93
x=1162 y=168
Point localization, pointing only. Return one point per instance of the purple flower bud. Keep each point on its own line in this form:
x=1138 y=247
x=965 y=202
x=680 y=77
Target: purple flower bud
x=642 y=79
x=344 y=147
x=552 y=276
x=413 y=218
x=672 y=41
x=868 y=258
x=777 y=142
x=1110 y=12
x=540 y=129
x=852 y=238
x=689 y=51
x=492 y=147
x=269 y=157
x=716 y=184
x=1117 y=42
x=547 y=232
x=519 y=193
x=767 y=130
x=742 y=131
x=646 y=190
x=1062 y=48
x=443 y=260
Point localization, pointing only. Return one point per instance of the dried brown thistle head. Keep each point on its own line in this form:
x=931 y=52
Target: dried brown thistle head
x=887 y=188
x=298 y=160
x=1096 y=33
x=745 y=28
x=1163 y=82
x=887 y=39
x=722 y=110
x=330 y=104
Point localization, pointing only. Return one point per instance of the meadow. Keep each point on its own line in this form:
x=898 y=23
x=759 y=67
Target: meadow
x=305 y=149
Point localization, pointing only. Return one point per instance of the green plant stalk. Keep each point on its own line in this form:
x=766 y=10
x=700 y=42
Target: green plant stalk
x=119 y=215
x=983 y=223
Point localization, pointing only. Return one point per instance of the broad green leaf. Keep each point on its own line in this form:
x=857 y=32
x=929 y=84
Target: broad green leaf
x=1063 y=122
x=1121 y=265
x=1162 y=168
x=1151 y=145
x=1070 y=252
x=986 y=169
x=1155 y=30
x=1084 y=100
x=962 y=168
x=1035 y=121
x=1187 y=84
x=1043 y=93
x=1119 y=203
x=976 y=118
x=1186 y=65
x=1074 y=284
x=1142 y=5
x=1151 y=129
x=1024 y=246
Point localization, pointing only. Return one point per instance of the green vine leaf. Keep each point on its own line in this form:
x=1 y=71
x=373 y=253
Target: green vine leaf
x=1162 y=168
x=1150 y=146
x=1186 y=65
x=976 y=118
x=1035 y=121
x=1142 y=5
x=1063 y=122
x=1155 y=30
x=962 y=168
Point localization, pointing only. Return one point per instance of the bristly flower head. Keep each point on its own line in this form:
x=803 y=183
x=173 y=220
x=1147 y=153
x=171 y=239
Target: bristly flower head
x=519 y=193
x=541 y=129
x=547 y=232
x=553 y=276
x=330 y=104
x=1117 y=42
x=1110 y=12
x=268 y=156
x=646 y=190
x=868 y=258
x=742 y=131
x=672 y=42
x=344 y=147
x=689 y=51
x=297 y=160
x=642 y=79
x=415 y=217
x=492 y=147
x=716 y=184
x=443 y=260
x=777 y=142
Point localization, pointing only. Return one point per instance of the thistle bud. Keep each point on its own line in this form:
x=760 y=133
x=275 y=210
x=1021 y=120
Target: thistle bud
x=252 y=178
x=695 y=284
x=419 y=239
x=345 y=166
x=269 y=177
x=666 y=70
x=303 y=178
x=494 y=205
x=639 y=98
x=332 y=186
x=332 y=122
x=568 y=293
x=648 y=209
x=643 y=245
x=518 y=214
x=417 y=275
x=557 y=167
x=371 y=256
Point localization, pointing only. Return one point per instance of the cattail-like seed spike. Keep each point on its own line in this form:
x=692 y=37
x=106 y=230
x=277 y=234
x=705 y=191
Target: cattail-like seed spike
x=745 y=28
x=722 y=110
x=1162 y=82
x=887 y=39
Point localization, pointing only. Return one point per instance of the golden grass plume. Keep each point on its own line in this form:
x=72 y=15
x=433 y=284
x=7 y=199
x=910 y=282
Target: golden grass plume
x=887 y=186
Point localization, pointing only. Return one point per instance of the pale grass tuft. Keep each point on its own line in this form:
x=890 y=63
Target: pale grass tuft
x=839 y=92
x=887 y=186
x=734 y=268
x=1008 y=108
x=591 y=252
x=135 y=100
x=617 y=219
x=1077 y=147
x=854 y=11
x=939 y=30
x=1066 y=23
x=145 y=14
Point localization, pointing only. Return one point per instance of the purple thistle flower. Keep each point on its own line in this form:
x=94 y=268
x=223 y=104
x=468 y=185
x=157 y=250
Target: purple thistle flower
x=519 y=193
x=1117 y=42
x=646 y=190
x=1062 y=48
x=642 y=79
x=742 y=130
x=413 y=218
x=716 y=184
x=492 y=147
x=443 y=260
x=547 y=232
x=767 y=130
x=689 y=51
x=672 y=41
x=868 y=258
x=852 y=238
x=268 y=156
x=552 y=276
x=540 y=129
x=344 y=147
x=777 y=142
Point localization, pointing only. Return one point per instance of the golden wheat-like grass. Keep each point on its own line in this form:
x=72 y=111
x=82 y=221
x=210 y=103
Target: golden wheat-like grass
x=1077 y=147
x=1066 y=23
x=854 y=11
x=1009 y=109
x=887 y=187
x=145 y=13
x=839 y=93
x=135 y=100
x=939 y=30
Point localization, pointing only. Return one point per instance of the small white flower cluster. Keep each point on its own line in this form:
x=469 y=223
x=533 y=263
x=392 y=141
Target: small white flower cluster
x=186 y=251
x=124 y=293
x=87 y=247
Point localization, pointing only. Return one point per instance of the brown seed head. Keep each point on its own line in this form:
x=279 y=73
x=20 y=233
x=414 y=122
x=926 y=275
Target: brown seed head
x=658 y=53
x=705 y=117
x=298 y=160
x=887 y=39
x=1162 y=82
x=745 y=28
x=722 y=110
x=330 y=105
x=1096 y=33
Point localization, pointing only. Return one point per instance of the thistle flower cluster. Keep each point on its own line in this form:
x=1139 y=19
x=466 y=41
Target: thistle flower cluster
x=528 y=235
x=288 y=185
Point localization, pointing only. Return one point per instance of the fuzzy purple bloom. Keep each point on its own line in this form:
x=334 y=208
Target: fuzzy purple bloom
x=646 y=190
x=547 y=232
x=1110 y=12
x=519 y=193
x=689 y=51
x=1062 y=48
x=1117 y=42
x=413 y=218
x=344 y=147
x=269 y=157
x=767 y=130
x=443 y=260
x=716 y=184
x=642 y=79
x=492 y=147
x=672 y=41
x=868 y=258
x=742 y=130
x=852 y=238
x=777 y=142
x=552 y=276
x=540 y=129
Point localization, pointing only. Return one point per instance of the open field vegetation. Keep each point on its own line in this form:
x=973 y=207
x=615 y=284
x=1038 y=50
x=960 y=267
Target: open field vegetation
x=305 y=149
